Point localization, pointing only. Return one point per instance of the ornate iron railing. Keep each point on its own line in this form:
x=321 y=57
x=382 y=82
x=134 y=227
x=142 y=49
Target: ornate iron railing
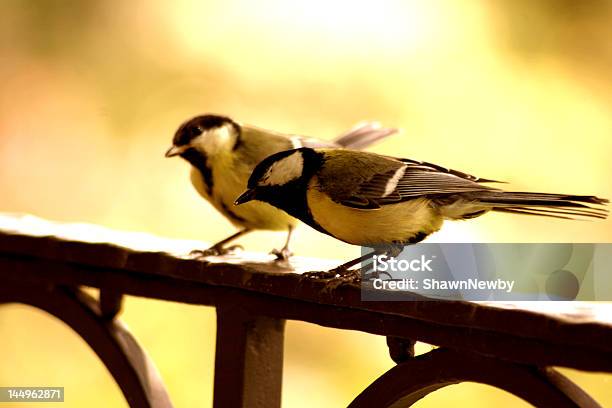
x=509 y=346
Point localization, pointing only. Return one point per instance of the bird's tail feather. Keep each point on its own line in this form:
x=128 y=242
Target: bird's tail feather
x=544 y=204
x=364 y=134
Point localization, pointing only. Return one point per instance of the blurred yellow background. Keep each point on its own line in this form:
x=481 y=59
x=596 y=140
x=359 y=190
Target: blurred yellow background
x=92 y=92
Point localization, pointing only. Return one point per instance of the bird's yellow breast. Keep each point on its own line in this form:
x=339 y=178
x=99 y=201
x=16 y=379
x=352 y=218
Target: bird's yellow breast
x=390 y=223
x=253 y=215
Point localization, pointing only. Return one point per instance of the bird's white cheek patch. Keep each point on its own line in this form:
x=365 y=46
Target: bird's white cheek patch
x=215 y=140
x=285 y=170
x=392 y=183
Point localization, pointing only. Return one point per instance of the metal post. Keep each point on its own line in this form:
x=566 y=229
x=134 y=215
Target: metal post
x=249 y=359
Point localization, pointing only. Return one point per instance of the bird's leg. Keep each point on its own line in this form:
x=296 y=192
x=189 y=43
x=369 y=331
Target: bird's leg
x=343 y=271
x=219 y=248
x=350 y=264
x=284 y=254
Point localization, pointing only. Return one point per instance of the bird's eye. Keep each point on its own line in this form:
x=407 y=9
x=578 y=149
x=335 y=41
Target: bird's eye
x=187 y=134
x=195 y=131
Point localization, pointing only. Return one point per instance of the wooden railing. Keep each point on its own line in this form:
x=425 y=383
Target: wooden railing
x=509 y=346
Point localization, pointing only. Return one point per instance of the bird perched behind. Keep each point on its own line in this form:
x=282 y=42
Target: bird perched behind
x=223 y=153
x=386 y=203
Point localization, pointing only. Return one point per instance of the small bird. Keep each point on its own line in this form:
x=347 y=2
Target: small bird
x=386 y=203
x=223 y=154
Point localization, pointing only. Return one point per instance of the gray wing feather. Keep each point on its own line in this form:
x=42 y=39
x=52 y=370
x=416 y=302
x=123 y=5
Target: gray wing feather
x=363 y=134
x=434 y=167
x=358 y=137
x=445 y=186
x=419 y=180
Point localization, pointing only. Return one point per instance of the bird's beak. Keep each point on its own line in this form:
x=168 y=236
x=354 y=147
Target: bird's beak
x=245 y=197
x=175 y=151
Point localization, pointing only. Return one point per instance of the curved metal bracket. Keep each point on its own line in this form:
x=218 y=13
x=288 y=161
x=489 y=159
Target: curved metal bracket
x=129 y=365
x=415 y=378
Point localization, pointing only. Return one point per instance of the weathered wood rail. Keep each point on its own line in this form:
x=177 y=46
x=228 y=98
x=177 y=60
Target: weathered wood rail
x=509 y=346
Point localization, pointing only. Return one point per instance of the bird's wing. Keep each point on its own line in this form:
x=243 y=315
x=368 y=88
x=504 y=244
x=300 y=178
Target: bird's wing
x=390 y=180
x=443 y=169
x=358 y=137
x=363 y=134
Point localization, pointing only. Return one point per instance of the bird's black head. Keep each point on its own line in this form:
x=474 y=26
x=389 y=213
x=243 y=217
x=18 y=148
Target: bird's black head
x=206 y=133
x=282 y=178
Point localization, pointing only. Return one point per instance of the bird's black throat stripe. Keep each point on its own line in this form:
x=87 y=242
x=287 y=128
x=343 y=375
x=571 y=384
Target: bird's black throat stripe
x=291 y=198
x=238 y=142
x=200 y=162
x=232 y=214
x=418 y=237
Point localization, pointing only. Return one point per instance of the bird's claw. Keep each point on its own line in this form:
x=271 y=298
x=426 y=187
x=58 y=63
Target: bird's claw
x=282 y=254
x=232 y=249
x=214 y=251
x=319 y=275
x=341 y=274
x=368 y=276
